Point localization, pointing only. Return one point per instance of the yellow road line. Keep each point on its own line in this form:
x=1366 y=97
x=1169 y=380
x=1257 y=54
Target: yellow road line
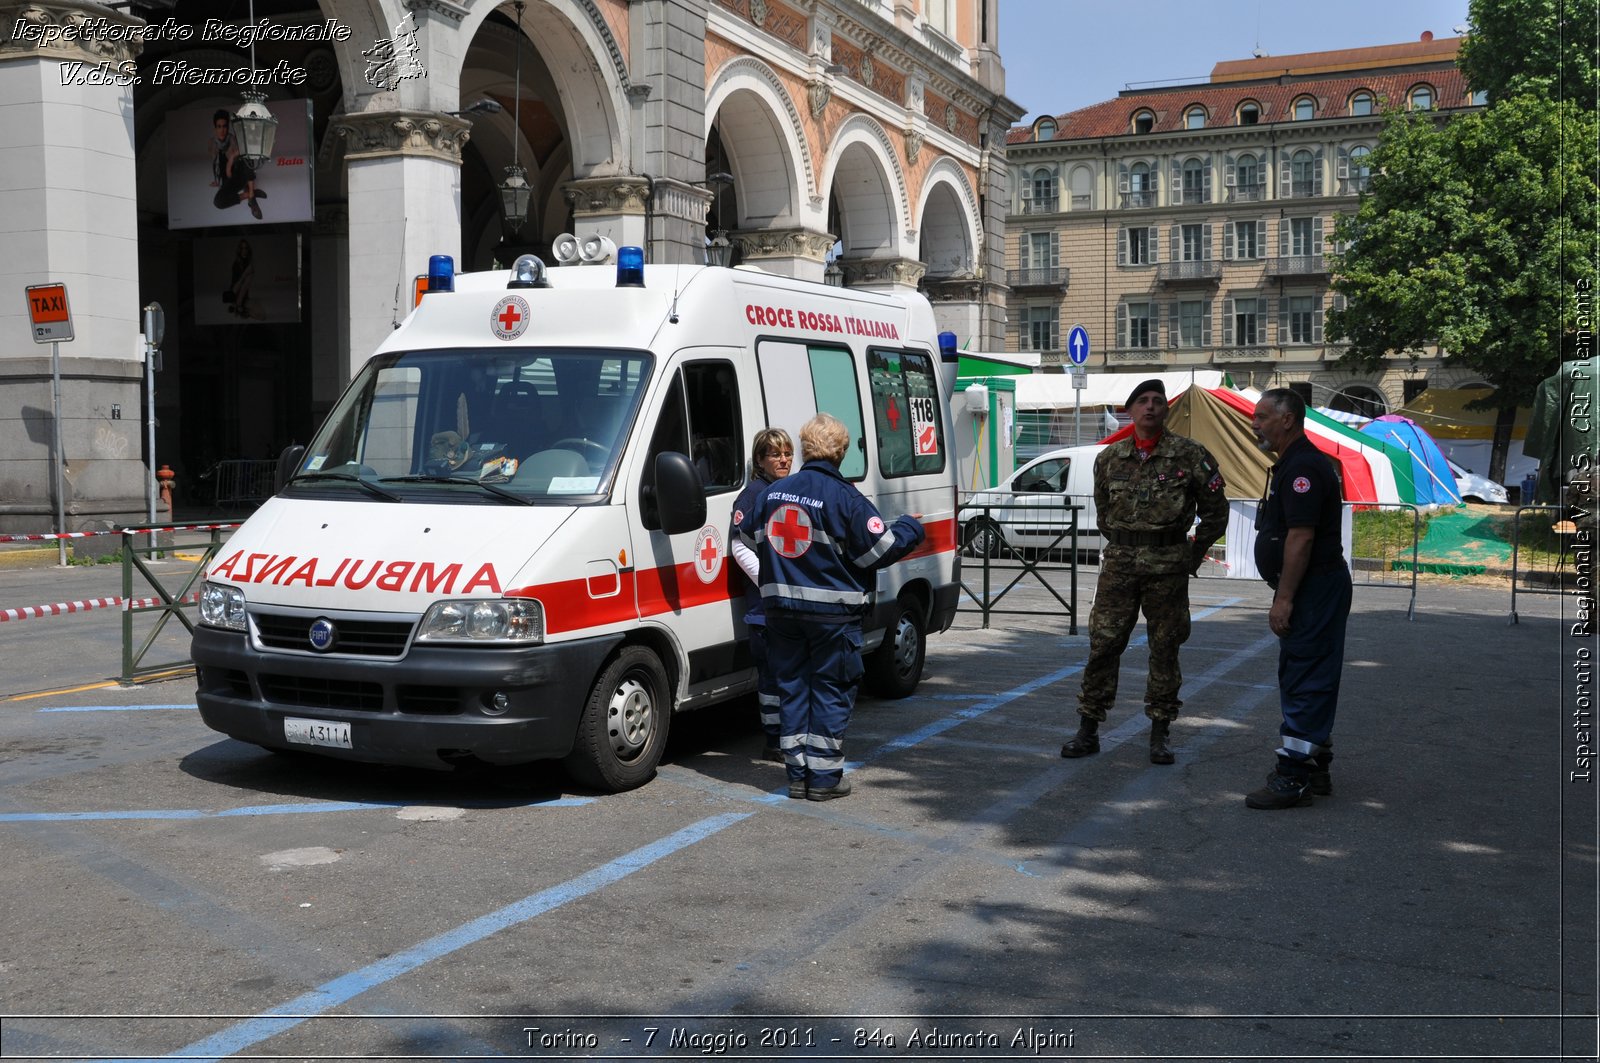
x=68 y=690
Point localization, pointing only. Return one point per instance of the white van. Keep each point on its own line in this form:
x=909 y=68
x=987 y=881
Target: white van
x=509 y=541
x=1031 y=509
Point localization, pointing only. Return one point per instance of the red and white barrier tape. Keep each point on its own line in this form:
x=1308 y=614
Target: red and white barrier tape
x=53 y=536
x=29 y=612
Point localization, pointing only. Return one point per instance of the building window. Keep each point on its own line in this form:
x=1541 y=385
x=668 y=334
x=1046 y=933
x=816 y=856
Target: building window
x=1422 y=98
x=1300 y=237
x=1039 y=257
x=1138 y=246
x=1247 y=322
x=1041 y=197
x=1302 y=316
x=1045 y=130
x=1305 y=108
x=1249 y=113
x=1410 y=389
x=938 y=14
x=1303 y=174
x=1144 y=122
x=1192 y=243
x=1247 y=240
x=1303 y=389
x=1041 y=328
x=1361 y=103
x=1194 y=118
x=1359 y=399
x=1195 y=186
x=1478 y=97
x=1244 y=177
x=1360 y=168
x=1194 y=323
x=1141 y=188
x=1139 y=330
x=1082 y=188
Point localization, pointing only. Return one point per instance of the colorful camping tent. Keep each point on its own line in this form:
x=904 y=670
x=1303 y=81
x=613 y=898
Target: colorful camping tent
x=1390 y=466
x=1355 y=471
x=1432 y=479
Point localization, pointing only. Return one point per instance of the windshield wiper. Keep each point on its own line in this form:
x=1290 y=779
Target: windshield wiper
x=366 y=485
x=510 y=496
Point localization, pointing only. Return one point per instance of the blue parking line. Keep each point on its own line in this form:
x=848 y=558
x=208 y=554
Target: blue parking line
x=286 y=1016
x=274 y=810
x=116 y=708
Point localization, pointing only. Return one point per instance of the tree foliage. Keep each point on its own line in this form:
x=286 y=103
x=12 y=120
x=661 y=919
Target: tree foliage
x=1477 y=232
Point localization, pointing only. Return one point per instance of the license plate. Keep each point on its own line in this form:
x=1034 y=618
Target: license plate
x=316 y=733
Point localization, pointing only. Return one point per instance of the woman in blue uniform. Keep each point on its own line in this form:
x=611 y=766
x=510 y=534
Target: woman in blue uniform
x=771 y=456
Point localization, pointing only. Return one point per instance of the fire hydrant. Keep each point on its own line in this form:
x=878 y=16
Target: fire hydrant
x=165 y=476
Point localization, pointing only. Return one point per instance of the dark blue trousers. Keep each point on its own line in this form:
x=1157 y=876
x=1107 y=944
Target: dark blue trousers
x=1310 y=660
x=766 y=686
x=817 y=668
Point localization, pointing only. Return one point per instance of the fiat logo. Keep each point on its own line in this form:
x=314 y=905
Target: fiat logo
x=323 y=634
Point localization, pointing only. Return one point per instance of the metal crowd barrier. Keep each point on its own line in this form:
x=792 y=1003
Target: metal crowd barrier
x=1568 y=553
x=1053 y=523
x=168 y=603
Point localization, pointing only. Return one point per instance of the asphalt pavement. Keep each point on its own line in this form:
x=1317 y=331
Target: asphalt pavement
x=171 y=892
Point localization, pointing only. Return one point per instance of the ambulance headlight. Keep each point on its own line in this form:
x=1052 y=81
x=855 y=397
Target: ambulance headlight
x=222 y=606
x=504 y=620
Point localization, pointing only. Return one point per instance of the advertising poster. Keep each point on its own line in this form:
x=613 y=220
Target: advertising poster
x=207 y=184
x=247 y=280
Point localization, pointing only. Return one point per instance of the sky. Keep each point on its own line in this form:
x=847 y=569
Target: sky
x=1061 y=55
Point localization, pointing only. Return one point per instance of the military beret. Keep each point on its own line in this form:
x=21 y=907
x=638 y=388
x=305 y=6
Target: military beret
x=1146 y=385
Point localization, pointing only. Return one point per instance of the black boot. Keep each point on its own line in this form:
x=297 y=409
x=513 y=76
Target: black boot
x=1160 y=752
x=1086 y=741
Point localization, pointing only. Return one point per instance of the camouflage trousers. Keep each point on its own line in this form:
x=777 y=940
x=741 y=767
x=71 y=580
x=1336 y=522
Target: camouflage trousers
x=1118 y=599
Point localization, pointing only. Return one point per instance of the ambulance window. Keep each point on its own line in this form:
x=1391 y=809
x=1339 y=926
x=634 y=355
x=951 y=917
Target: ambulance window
x=700 y=418
x=905 y=410
x=799 y=380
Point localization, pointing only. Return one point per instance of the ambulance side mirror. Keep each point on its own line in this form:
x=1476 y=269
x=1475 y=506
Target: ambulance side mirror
x=679 y=496
x=288 y=463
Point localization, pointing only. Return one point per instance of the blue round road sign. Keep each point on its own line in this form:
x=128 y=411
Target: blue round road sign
x=1078 y=345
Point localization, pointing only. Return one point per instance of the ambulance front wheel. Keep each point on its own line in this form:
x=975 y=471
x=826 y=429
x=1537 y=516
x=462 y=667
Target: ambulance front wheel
x=624 y=724
x=895 y=667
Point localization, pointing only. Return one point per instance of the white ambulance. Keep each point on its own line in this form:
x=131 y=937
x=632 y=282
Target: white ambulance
x=510 y=539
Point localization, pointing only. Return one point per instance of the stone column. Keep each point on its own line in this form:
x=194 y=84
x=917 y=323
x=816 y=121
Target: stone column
x=961 y=305
x=882 y=274
x=613 y=207
x=68 y=215
x=798 y=253
x=404 y=174
x=667 y=73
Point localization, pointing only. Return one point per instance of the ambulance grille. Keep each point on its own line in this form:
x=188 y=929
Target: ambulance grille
x=429 y=701
x=313 y=692
x=360 y=638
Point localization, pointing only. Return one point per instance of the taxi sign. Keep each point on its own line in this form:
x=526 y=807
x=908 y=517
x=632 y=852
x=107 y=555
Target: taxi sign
x=48 y=311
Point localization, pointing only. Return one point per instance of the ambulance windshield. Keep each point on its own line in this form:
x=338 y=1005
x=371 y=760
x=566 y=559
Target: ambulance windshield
x=519 y=426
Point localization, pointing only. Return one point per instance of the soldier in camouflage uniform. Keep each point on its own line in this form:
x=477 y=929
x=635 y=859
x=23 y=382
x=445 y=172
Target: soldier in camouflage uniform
x=1147 y=489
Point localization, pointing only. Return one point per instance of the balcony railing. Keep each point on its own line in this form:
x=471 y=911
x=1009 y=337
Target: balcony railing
x=1248 y=193
x=1257 y=353
x=1207 y=271
x=1041 y=205
x=1146 y=198
x=1056 y=277
x=1297 y=266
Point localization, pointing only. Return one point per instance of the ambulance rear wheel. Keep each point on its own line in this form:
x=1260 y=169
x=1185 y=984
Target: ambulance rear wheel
x=624 y=724
x=895 y=667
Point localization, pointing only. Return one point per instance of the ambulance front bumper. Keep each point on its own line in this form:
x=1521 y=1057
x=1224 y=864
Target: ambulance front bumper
x=438 y=707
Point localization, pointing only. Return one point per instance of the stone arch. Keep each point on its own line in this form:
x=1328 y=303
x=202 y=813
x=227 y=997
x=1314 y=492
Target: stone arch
x=865 y=174
x=948 y=222
x=765 y=141
x=592 y=94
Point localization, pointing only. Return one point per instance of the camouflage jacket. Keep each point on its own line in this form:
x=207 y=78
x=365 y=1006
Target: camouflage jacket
x=1159 y=495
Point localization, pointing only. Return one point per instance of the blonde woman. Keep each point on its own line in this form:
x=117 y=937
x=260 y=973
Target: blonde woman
x=818 y=538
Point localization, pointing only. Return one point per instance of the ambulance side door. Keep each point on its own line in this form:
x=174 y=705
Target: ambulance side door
x=688 y=581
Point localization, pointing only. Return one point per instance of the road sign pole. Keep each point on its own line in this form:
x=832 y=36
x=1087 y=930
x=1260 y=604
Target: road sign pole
x=150 y=431
x=56 y=457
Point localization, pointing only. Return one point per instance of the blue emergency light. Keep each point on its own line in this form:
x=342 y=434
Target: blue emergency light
x=947 y=347
x=441 y=273
x=630 y=267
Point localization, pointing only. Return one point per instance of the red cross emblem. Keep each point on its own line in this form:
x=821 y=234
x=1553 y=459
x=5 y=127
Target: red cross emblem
x=509 y=318
x=707 y=554
x=892 y=414
x=789 y=531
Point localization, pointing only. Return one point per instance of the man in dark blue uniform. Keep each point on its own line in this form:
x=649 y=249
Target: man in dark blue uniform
x=818 y=538
x=1300 y=555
